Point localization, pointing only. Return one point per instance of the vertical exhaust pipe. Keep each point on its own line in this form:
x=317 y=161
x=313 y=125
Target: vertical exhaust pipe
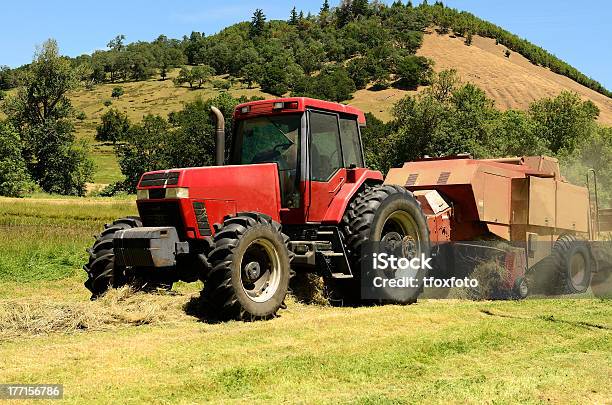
x=219 y=135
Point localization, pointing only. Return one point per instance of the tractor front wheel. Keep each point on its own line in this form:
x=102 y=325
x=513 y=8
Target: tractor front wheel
x=250 y=269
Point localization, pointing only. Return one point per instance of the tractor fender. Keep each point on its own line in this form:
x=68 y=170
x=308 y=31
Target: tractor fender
x=352 y=186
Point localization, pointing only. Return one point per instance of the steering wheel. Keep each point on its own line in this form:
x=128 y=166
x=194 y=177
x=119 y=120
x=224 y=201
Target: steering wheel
x=334 y=153
x=282 y=147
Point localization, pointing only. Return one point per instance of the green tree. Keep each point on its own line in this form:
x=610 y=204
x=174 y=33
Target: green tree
x=184 y=76
x=7 y=78
x=116 y=43
x=344 y=13
x=293 y=17
x=413 y=71
x=374 y=138
x=279 y=75
x=333 y=83
x=325 y=7
x=258 y=23
x=201 y=74
x=42 y=114
x=146 y=149
x=114 y=126
x=251 y=73
x=117 y=92
x=468 y=38
x=14 y=177
x=360 y=8
x=358 y=71
x=565 y=121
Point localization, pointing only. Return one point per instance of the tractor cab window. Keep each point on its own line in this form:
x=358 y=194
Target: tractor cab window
x=325 y=152
x=272 y=139
x=351 y=146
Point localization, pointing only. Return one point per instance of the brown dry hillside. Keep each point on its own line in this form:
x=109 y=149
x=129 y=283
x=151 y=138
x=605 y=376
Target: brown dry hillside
x=512 y=82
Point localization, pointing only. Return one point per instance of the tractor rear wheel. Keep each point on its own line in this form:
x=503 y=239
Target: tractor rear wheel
x=250 y=269
x=573 y=262
x=391 y=216
x=102 y=273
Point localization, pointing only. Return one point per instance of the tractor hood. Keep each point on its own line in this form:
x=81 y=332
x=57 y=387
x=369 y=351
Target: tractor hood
x=230 y=188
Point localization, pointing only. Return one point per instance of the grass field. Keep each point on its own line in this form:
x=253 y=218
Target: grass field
x=135 y=348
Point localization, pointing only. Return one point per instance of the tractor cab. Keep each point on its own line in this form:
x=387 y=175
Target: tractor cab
x=316 y=146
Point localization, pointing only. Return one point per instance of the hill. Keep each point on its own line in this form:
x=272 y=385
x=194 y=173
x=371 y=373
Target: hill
x=512 y=82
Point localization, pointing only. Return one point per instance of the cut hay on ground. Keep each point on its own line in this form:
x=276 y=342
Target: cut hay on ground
x=117 y=308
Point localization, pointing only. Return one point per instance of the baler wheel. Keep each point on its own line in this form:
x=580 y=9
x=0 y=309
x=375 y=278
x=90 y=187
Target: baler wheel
x=573 y=261
x=387 y=214
x=102 y=273
x=250 y=272
x=521 y=288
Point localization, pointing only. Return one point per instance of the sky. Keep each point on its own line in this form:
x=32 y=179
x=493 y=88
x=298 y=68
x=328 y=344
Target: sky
x=575 y=31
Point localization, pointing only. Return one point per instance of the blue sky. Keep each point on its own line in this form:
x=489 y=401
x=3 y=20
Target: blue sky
x=576 y=31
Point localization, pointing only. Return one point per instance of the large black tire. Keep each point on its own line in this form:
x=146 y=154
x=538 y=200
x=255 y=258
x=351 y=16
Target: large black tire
x=573 y=263
x=371 y=217
x=102 y=273
x=250 y=269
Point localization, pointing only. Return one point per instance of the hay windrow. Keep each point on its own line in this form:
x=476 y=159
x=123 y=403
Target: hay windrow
x=118 y=308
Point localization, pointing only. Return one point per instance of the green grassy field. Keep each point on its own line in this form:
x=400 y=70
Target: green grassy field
x=135 y=348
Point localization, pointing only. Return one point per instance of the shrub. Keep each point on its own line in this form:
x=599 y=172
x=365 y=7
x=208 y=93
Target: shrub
x=114 y=126
x=81 y=116
x=468 y=38
x=222 y=84
x=107 y=103
x=117 y=92
x=414 y=71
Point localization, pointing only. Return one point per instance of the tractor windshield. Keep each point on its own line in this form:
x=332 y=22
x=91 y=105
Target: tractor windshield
x=272 y=139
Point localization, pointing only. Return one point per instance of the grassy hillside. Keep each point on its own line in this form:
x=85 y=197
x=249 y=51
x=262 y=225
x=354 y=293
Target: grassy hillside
x=148 y=348
x=140 y=98
x=511 y=82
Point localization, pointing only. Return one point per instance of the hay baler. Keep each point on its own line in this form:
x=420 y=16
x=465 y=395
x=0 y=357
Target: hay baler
x=523 y=201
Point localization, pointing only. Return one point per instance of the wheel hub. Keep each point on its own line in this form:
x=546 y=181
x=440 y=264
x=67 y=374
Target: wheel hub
x=391 y=242
x=261 y=272
x=253 y=271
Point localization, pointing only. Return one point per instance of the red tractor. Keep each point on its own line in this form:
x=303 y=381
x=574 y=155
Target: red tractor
x=295 y=196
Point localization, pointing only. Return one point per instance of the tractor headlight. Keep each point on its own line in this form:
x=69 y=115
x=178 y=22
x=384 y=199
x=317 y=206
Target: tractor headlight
x=177 y=192
x=142 y=194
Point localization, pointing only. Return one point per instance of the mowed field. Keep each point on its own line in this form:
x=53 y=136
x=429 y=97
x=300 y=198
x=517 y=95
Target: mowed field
x=137 y=348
